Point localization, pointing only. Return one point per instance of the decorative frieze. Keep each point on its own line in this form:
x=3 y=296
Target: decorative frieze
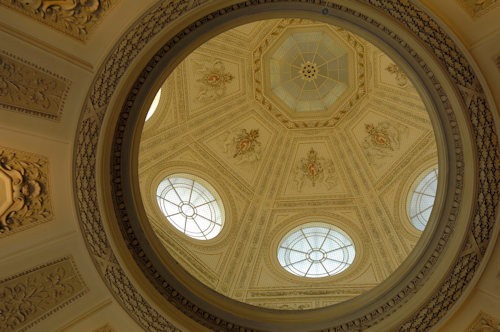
x=24 y=191
x=76 y=18
x=30 y=89
x=33 y=295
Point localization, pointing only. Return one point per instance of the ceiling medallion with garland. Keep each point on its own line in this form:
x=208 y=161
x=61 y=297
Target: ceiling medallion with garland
x=381 y=312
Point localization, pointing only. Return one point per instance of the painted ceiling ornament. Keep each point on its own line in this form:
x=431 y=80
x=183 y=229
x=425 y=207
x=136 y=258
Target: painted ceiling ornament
x=213 y=80
x=401 y=77
x=243 y=145
x=315 y=169
x=382 y=139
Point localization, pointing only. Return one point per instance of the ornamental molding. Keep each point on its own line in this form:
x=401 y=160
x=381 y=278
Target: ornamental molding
x=408 y=15
x=25 y=186
x=75 y=18
x=30 y=89
x=31 y=296
x=476 y=8
x=484 y=323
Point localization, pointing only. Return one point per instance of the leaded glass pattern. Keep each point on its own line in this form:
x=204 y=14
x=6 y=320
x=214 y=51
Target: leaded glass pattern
x=190 y=207
x=309 y=71
x=154 y=105
x=422 y=200
x=316 y=250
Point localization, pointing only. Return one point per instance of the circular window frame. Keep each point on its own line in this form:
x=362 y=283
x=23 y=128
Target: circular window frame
x=460 y=150
x=331 y=227
x=205 y=185
x=416 y=182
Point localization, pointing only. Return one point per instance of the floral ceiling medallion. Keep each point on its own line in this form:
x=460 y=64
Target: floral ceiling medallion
x=213 y=80
x=315 y=169
x=400 y=76
x=382 y=139
x=244 y=145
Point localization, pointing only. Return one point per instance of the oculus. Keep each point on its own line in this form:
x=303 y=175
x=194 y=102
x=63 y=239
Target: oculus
x=190 y=207
x=316 y=250
x=422 y=199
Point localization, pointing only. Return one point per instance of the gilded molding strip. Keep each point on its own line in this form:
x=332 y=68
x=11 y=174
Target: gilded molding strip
x=417 y=22
x=25 y=199
x=31 y=296
x=76 y=18
x=30 y=89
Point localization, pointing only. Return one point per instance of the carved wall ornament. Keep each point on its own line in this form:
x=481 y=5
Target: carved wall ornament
x=213 y=79
x=400 y=76
x=485 y=323
x=76 y=18
x=315 y=169
x=382 y=140
x=25 y=185
x=33 y=295
x=413 y=20
x=477 y=8
x=106 y=328
x=244 y=146
x=27 y=88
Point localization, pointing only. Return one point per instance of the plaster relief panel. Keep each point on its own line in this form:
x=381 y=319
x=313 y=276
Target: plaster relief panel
x=476 y=8
x=24 y=191
x=313 y=171
x=390 y=73
x=26 y=88
x=76 y=18
x=485 y=323
x=210 y=80
x=242 y=147
x=33 y=295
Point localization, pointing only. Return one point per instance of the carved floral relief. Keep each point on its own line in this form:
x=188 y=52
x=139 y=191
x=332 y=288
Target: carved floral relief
x=25 y=88
x=74 y=17
x=243 y=145
x=485 y=323
x=24 y=191
x=314 y=169
x=477 y=8
x=29 y=297
x=400 y=76
x=382 y=140
x=213 y=80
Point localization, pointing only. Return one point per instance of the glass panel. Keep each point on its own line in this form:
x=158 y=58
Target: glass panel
x=422 y=200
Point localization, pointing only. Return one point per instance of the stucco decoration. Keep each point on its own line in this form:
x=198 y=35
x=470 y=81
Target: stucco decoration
x=439 y=45
x=27 y=88
x=485 y=323
x=477 y=8
x=24 y=189
x=33 y=295
x=76 y=18
x=106 y=328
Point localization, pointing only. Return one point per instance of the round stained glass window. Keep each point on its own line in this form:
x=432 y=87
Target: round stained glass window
x=422 y=200
x=190 y=207
x=316 y=250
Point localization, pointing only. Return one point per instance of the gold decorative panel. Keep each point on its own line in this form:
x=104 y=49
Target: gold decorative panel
x=27 y=88
x=485 y=323
x=33 y=295
x=477 y=8
x=24 y=191
x=76 y=18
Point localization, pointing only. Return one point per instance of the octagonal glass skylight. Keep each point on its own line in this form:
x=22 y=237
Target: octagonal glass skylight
x=316 y=250
x=190 y=207
x=309 y=71
x=422 y=200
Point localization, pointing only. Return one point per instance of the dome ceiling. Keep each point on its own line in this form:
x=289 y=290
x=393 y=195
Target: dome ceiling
x=344 y=151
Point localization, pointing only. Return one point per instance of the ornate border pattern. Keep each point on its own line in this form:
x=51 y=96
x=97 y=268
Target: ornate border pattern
x=415 y=21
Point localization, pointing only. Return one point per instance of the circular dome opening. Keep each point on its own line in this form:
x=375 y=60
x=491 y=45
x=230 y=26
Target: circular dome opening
x=190 y=207
x=422 y=198
x=316 y=250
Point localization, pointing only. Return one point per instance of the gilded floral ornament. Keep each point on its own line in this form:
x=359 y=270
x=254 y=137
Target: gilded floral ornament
x=31 y=296
x=244 y=145
x=400 y=76
x=315 y=169
x=24 y=181
x=213 y=79
x=74 y=17
x=382 y=140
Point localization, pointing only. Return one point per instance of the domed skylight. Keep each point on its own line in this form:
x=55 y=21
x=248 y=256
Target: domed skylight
x=154 y=105
x=422 y=200
x=190 y=207
x=316 y=250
